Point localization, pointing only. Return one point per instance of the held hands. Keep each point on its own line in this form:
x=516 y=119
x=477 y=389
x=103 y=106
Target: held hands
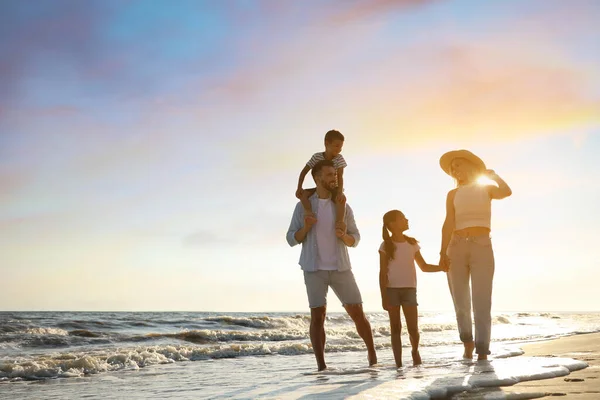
x=444 y=262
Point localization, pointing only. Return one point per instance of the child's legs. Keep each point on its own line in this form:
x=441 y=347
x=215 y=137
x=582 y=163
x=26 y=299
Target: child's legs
x=340 y=207
x=340 y=211
x=411 y=314
x=395 y=333
x=305 y=200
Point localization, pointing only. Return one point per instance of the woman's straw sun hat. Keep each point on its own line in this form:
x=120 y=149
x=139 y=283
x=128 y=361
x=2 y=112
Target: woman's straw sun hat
x=446 y=159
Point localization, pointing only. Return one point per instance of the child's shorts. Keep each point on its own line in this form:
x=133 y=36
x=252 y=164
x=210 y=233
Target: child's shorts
x=402 y=296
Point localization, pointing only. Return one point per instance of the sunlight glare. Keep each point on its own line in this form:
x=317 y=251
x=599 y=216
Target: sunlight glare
x=485 y=181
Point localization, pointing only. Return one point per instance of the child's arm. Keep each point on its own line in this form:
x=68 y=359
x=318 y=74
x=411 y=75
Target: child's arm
x=301 y=180
x=427 y=267
x=383 y=280
x=340 y=180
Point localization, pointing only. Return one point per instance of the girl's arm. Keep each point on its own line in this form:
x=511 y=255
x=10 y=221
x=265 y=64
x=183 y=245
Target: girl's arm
x=448 y=226
x=383 y=279
x=428 y=267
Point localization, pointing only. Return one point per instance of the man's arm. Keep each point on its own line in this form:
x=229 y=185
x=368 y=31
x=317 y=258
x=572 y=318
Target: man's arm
x=294 y=235
x=352 y=235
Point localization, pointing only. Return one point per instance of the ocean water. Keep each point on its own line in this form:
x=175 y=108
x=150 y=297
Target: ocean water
x=192 y=355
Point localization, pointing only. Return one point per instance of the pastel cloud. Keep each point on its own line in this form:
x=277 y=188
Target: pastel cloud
x=512 y=81
x=181 y=112
x=357 y=11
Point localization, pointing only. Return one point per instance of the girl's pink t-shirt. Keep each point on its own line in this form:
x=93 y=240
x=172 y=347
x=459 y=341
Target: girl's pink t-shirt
x=401 y=270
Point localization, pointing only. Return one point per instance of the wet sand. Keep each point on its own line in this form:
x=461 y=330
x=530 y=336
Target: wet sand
x=580 y=385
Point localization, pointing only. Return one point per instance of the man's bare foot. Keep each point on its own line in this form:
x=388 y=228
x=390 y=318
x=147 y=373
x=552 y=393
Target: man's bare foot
x=469 y=347
x=372 y=359
x=322 y=367
x=416 y=357
x=481 y=357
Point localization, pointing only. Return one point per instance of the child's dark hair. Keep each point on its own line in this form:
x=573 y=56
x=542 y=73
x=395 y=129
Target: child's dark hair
x=333 y=135
x=316 y=170
x=388 y=245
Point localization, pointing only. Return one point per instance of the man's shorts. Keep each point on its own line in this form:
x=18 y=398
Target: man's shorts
x=402 y=296
x=342 y=282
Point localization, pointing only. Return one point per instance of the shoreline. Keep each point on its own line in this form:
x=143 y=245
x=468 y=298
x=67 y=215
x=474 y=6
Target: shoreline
x=583 y=384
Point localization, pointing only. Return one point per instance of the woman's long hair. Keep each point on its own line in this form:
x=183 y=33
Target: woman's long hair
x=388 y=245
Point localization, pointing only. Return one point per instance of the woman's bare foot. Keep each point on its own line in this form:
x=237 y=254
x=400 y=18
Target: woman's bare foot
x=416 y=357
x=469 y=347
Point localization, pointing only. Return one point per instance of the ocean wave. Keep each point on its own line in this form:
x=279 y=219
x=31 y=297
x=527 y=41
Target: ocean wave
x=47 y=331
x=77 y=364
x=8 y=327
x=89 y=324
x=263 y=322
x=85 y=333
x=538 y=314
x=204 y=336
x=501 y=319
x=80 y=364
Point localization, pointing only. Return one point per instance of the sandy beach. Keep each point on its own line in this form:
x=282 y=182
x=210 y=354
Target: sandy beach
x=582 y=384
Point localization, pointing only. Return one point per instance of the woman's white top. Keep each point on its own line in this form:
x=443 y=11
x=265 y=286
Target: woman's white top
x=472 y=207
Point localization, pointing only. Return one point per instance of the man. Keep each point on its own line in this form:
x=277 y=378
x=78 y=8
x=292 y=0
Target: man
x=325 y=261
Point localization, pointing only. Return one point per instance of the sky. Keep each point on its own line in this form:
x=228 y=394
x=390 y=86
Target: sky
x=150 y=150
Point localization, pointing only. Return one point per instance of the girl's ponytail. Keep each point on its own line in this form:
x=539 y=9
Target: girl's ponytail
x=388 y=245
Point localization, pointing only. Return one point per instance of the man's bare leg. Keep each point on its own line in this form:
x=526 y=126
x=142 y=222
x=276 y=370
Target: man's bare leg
x=317 y=335
x=363 y=327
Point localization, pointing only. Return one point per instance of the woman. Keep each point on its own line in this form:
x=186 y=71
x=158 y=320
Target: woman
x=467 y=247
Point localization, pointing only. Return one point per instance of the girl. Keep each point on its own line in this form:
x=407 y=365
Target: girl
x=467 y=247
x=398 y=281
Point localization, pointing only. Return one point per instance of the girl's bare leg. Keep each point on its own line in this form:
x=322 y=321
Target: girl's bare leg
x=395 y=332
x=411 y=314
